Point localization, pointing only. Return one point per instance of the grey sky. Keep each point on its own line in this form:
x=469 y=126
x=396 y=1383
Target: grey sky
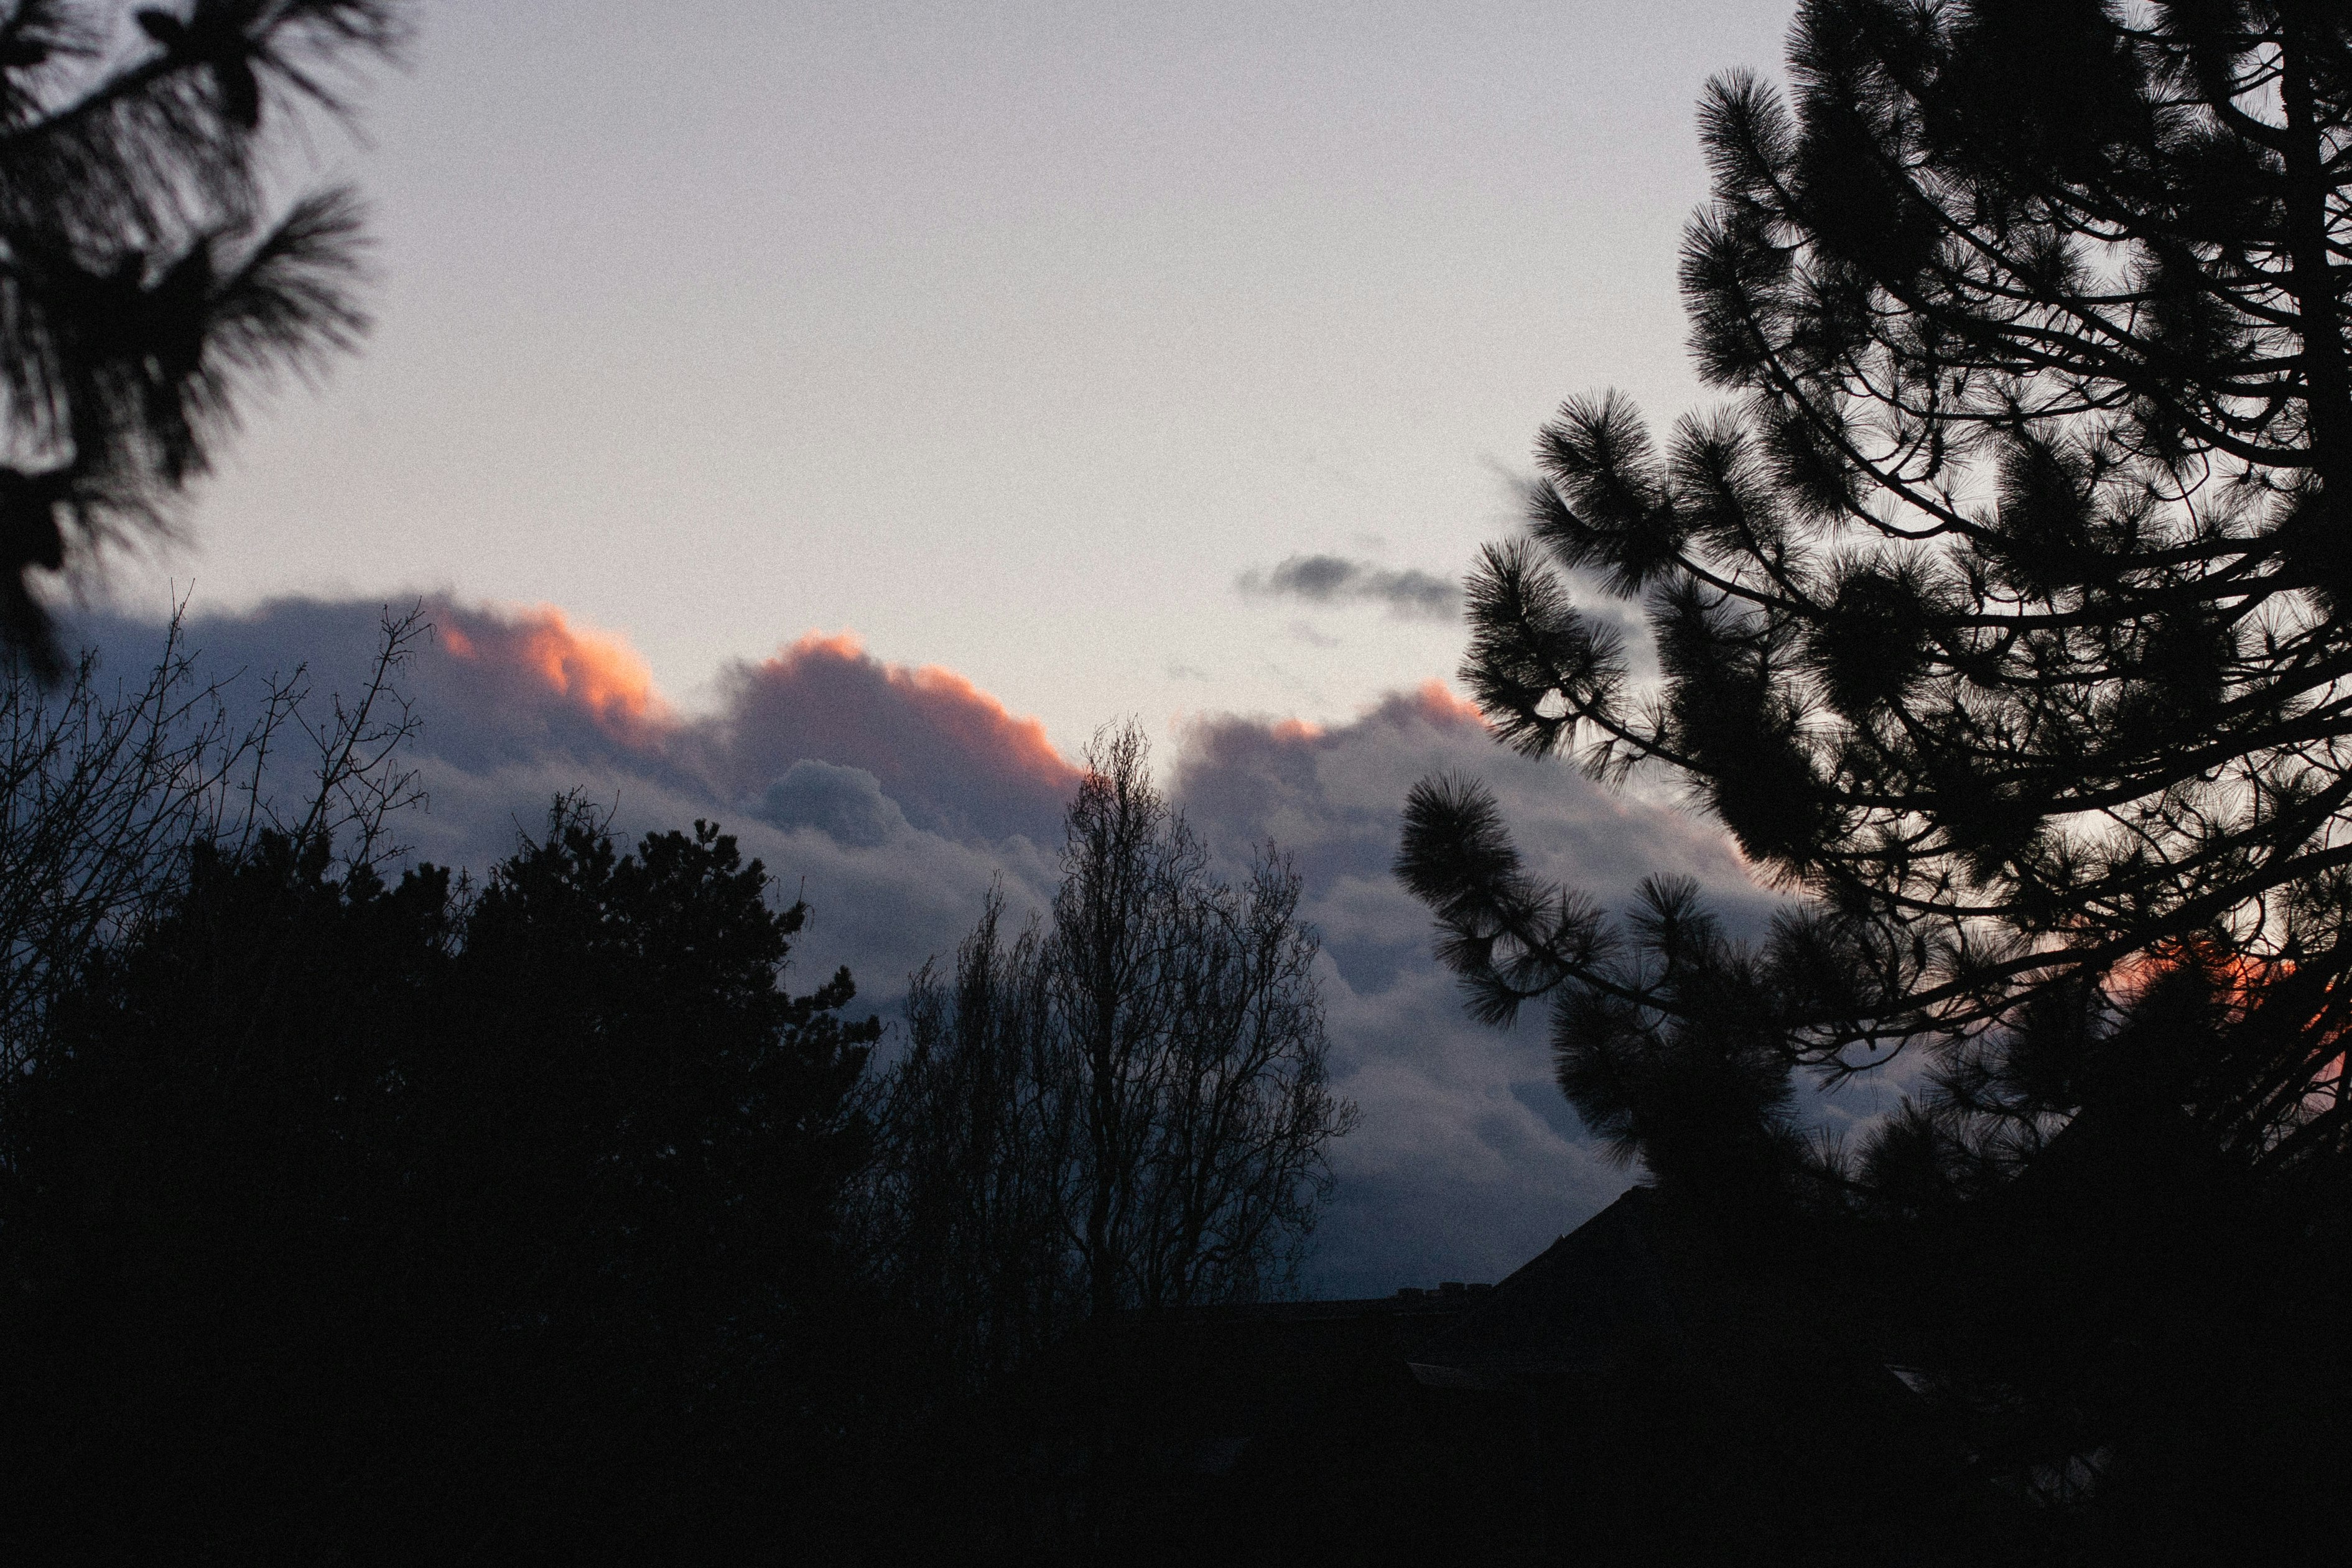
x=1008 y=335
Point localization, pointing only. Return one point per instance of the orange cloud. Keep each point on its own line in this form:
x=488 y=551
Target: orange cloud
x=594 y=669
x=957 y=707
x=2238 y=978
x=949 y=753
x=1440 y=706
x=2243 y=985
x=844 y=644
x=1432 y=702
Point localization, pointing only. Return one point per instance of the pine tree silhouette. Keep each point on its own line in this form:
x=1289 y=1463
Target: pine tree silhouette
x=145 y=286
x=2005 y=613
x=2004 y=618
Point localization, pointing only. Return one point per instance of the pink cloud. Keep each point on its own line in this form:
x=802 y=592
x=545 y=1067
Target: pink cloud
x=1435 y=702
x=594 y=670
x=947 y=751
x=531 y=680
x=499 y=686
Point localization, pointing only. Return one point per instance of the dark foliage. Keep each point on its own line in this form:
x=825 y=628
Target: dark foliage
x=2002 y=619
x=353 y=1221
x=1996 y=618
x=147 y=281
x=103 y=796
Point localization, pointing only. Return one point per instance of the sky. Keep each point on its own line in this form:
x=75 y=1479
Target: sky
x=827 y=417
x=1008 y=336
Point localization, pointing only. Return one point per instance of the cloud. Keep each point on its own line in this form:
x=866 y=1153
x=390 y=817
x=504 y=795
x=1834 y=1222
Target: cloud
x=494 y=685
x=846 y=804
x=892 y=797
x=947 y=752
x=1305 y=632
x=1336 y=580
x=579 y=667
x=1468 y=1160
x=499 y=685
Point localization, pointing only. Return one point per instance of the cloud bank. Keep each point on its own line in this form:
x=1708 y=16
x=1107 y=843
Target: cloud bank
x=891 y=798
x=1468 y=1160
x=1336 y=580
x=945 y=751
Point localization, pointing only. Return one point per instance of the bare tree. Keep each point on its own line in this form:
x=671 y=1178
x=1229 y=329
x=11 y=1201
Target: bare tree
x=1129 y=1107
x=973 y=1141
x=103 y=793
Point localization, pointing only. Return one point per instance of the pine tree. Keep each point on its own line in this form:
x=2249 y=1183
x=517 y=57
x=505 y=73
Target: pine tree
x=149 y=279
x=2003 y=616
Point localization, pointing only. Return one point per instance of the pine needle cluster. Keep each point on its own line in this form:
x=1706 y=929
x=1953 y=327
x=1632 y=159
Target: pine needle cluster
x=151 y=274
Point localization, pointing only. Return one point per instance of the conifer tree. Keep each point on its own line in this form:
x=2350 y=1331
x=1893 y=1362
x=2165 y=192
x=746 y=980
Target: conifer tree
x=2003 y=613
x=149 y=276
x=351 y=1219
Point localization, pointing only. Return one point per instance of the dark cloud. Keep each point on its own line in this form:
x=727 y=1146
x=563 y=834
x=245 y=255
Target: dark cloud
x=496 y=687
x=1467 y=1162
x=892 y=797
x=846 y=804
x=889 y=797
x=1336 y=580
x=500 y=687
x=1305 y=632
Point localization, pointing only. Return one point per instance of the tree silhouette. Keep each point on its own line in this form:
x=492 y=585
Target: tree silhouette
x=104 y=795
x=2002 y=614
x=2002 y=618
x=144 y=286
x=1126 y=1108
x=347 y=1220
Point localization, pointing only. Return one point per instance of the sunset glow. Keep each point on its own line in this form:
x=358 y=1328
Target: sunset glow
x=950 y=702
x=596 y=669
x=1440 y=706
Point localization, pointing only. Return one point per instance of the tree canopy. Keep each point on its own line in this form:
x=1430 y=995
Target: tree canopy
x=2002 y=614
x=409 y=1220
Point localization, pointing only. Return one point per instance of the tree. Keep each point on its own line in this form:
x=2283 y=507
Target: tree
x=394 y=1221
x=2002 y=617
x=976 y=1137
x=143 y=288
x=105 y=797
x=669 y=1127
x=1127 y=1108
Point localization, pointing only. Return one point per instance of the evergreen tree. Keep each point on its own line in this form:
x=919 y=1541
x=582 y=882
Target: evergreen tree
x=146 y=282
x=2004 y=614
x=351 y=1221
